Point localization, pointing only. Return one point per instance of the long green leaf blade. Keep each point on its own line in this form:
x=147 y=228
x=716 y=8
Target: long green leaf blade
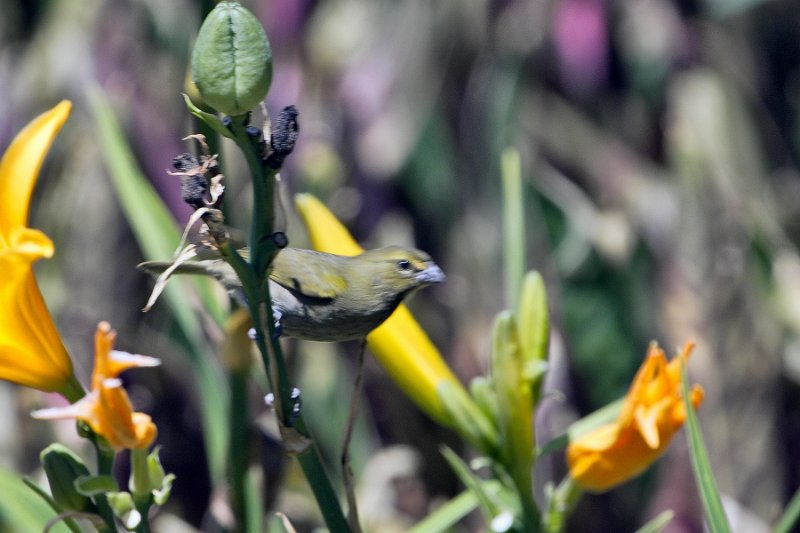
x=513 y=225
x=448 y=515
x=22 y=509
x=709 y=494
x=657 y=524
x=158 y=235
x=790 y=515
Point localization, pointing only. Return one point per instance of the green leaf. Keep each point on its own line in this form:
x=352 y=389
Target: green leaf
x=158 y=235
x=279 y=523
x=24 y=510
x=486 y=500
x=480 y=388
x=709 y=494
x=445 y=517
x=155 y=472
x=161 y=496
x=604 y=415
x=255 y=504
x=468 y=418
x=790 y=515
x=533 y=318
x=210 y=120
x=514 y=404
x=658 y=523
x=124 y=508
x=513 y=224
x=93 y=485
x=69 y=522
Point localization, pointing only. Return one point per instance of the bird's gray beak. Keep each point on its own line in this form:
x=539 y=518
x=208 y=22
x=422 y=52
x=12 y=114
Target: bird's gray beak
x=432 y=274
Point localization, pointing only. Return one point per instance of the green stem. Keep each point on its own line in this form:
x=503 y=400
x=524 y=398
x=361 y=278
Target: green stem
x=105 y=462
x=72 y=390
x=237 y=449
x=140 y=477
x=262 y=248
x=254 y=277
x=562 y=501
x=140 y=487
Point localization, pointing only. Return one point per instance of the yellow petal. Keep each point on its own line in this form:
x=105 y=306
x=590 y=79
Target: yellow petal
x=325 y=231
x=31 y=351
x=400 y=345
x=27 y=245
x=20 y=166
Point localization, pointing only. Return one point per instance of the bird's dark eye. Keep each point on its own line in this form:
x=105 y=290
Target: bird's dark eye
x=404 y=265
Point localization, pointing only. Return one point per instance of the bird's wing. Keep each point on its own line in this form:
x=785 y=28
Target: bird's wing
x=310 y=273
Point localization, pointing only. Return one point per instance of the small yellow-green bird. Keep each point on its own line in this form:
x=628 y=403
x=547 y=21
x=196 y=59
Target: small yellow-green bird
x=325 y=297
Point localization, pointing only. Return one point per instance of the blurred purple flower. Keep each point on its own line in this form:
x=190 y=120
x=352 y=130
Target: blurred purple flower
x=580 y=37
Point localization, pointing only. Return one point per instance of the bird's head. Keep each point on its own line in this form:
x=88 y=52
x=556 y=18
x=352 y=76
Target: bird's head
x=397 y=270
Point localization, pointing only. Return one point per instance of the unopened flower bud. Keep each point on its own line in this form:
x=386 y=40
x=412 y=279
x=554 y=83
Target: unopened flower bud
x=232 y=60
x=62 y=468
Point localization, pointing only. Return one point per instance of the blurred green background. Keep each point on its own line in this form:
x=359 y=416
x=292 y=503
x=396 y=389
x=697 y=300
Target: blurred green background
x=659 y=142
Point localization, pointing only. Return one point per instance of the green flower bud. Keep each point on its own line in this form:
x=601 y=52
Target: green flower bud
x=514 y=402
x=124 y=508
x=62 y=468
x=232 y=60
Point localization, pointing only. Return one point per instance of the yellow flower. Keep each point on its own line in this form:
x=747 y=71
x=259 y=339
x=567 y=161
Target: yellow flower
x=31 y=351
x=399 y=344
x=107 y=408
x=652 y=413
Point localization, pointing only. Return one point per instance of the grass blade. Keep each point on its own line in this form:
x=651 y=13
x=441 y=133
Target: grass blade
x=513 y=225
x=790 y=515
x=709 y=494
x=447 y=516
x=22 y=509
x=657 y=524
x=157 y=234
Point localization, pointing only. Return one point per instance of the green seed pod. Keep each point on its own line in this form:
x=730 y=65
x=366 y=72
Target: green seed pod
x=232 y=60
x=62 y=468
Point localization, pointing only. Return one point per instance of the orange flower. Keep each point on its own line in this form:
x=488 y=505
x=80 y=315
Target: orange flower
x=107 y=408
x=31 y=351
x=652 y=413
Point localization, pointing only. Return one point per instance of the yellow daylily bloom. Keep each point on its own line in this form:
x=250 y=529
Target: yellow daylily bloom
x=652 y=413
x=31 y=351
x=399 y=344
x=107 y=408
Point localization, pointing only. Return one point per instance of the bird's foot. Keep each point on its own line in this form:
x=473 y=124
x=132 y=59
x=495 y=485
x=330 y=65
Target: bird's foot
x=276 y=316
x=295 y=407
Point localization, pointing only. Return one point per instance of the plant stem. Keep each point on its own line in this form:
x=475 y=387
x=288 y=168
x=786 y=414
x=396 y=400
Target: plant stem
x=562 y=501
x=105 y=461
x=140 y=487
x=237 y=447
x=255 y=284
x=73 y=390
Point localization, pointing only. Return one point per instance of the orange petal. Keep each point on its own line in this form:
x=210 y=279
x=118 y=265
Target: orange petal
x=651 y=415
